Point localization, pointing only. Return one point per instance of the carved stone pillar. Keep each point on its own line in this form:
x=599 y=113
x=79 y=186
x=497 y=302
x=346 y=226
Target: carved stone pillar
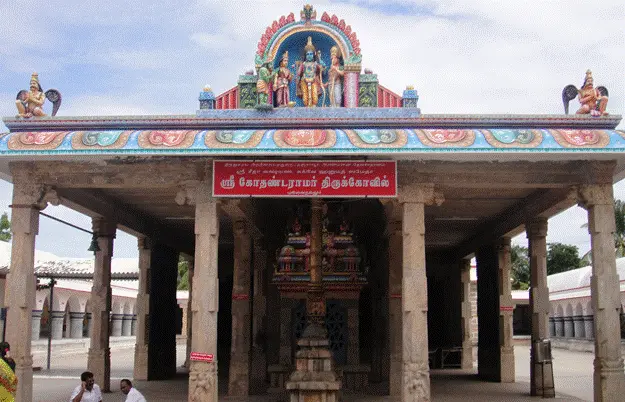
x=467 y=343
x=99 y=360
x=28 y=200
x=488 y=313
x=143 y=310
x=238 y=382
x=506 y=310
x=589 y=326
x=36 y=324
x=578 y=323
x=415 y=368
x=116 y=324
x=559 y=324
x=258 y=384
x=569 y=330
x=395 y=267
x=609 y=379
x=205 y=305
x=539 y=298
x=76 y=320
x=189 y=320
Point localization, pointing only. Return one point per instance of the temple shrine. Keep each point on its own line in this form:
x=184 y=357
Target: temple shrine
x=330 y=222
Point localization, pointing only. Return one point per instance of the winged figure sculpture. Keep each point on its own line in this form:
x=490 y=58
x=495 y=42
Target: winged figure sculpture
x=593 y=100
x=30 y=102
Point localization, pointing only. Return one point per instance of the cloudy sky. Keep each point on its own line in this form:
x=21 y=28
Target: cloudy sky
x=463 y=56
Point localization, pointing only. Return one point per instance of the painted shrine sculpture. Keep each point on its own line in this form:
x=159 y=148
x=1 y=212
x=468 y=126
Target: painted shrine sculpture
x=283 y=77
x=264 y=85
x=593 y=100
x=335 y=78
x=309 y=76
x=30 y=103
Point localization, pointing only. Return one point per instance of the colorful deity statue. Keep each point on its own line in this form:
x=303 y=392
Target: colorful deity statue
x=264 y=84
x=282 y=80
x=309 y=73
x=335 y=78
x=591 y=98
x=30 y=103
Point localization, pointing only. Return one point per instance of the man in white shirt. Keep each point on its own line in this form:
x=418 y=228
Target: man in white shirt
x=132 y=394
x=87 y=391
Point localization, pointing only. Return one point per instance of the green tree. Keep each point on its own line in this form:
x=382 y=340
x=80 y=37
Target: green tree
x=520 y=267
x=5 y=227
x=562 y=257
x=183 y=275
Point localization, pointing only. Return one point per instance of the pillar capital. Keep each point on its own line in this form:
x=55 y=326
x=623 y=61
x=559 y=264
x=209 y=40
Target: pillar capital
x=103 y=227
x=240 y=228
x=187 y=193
x=595 y=194
x=144 y=243
x=422 y=193
x=503 y=243
x=537 y=227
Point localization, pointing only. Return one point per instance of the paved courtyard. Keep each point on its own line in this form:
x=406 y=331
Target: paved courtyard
x=573 y=371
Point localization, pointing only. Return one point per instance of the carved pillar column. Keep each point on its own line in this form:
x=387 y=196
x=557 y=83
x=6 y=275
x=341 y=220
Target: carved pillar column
x=143 y=310
x=99 y=360
x=28 y=200
x=506 y=310
x=205 y=305
x=395 y=267
x=415 y=368
x=36 y=324
x=238 y=382
x=467 y=343
x=351 y=80
x=187 y=362
x=609 y=379
x=539 y=297
x=258 y=383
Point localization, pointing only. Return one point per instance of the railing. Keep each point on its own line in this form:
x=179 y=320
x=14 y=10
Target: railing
x=388 y=98
x=228 y=99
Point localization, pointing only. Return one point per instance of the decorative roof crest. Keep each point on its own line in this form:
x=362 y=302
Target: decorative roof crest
x=308 y=13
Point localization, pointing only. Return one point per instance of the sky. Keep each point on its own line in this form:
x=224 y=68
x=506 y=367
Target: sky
x=463 y=56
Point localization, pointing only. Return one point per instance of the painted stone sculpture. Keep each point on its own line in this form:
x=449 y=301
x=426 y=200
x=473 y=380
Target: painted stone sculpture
x=309 y=82
x=30 y=103
x=282 y=80
x=335 y=78
x=593 y=100
x=264 y=85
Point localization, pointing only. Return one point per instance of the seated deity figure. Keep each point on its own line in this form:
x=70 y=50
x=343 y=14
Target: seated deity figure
x=309 y=81
x=591 y=99
x=335 y=78
x=30 y=103
x=282 y=80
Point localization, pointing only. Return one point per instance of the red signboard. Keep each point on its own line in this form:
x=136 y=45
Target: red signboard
x=201 y=357
x=346 y=179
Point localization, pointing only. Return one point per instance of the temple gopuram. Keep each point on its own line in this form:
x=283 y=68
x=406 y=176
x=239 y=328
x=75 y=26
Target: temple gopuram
x=330 y=222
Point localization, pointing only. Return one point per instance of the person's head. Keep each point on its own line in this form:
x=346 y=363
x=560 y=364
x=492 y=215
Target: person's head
x=87 y=377
x=125 y=385
x=310 y=55
x=4 y=348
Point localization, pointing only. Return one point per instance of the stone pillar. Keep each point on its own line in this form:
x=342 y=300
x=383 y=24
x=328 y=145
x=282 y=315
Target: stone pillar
x=467 y=343
x=36 y=324
x=76 y=320
x=569 y=331
x=559 y=323
x=578 y=323
x=203 y=374
x=133 y=325
x=89 y=322
x=552 y=326
x=488 y=298
x=539 y=298
x=189 y=317
x=116 y=324
x=395 y=267
x=258 y=383
x=143 y=311
x=415 y=367
x=506 y=310
x=20 y=282
x=57 y=318
x=99 y=359
x=127 y=325
x=589 y=326
x=609 y=379
x=238 y=382
x=353 y=329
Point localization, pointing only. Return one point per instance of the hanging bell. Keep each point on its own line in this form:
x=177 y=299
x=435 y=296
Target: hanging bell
x=94 y=244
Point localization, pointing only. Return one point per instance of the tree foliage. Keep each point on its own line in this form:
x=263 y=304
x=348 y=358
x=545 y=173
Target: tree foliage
x=520 y=267
x=5 y=227
x=183 y=275
x=562 y=258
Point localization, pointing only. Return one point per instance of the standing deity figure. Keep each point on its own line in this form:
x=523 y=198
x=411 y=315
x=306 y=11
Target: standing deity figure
x=335 y=78
x=264 y=82
x=309 y=83
x=282 y=81
x=30 y=103
x=591 y=98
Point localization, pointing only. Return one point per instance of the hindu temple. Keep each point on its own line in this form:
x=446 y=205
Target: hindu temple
x=330 y=222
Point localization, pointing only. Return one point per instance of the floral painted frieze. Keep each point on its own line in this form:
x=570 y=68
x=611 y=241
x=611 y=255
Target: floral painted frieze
x=444 y=138
x=36 y=140
x=581 y=138
x=100 y=139
x=167 y=138
x=373 y=138
x=233 y=138
x=508 y=138
x=313 y=138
